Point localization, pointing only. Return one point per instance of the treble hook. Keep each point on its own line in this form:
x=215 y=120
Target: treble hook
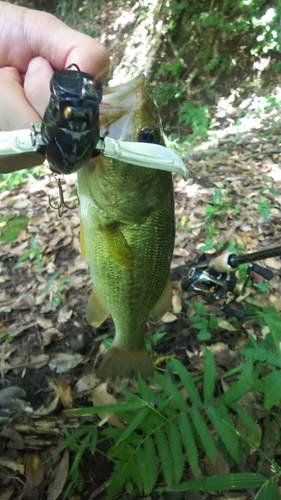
x=61 y=205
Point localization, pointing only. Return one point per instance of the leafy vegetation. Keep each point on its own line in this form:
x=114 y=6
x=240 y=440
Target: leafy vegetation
x=15 y=179
x=184 y=417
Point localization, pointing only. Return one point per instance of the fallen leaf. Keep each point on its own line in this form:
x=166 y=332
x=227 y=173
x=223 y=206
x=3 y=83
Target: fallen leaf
x=34 y=471
x=65 y=314
x=59 y=477
x=7 y=493
x=274 y=263
x=15 y=442
x=101 y=397
x=169 y=318
x=86 y=383
x=225 y=325
x=176 y=303
x=11 y=464
x=62 y=362
x=64 y=391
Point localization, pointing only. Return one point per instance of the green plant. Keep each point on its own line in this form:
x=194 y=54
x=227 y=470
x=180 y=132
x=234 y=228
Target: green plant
x=166 y=430
x=34 y=252
x=15 y=179
x=195 y=116
x=57 y=288
x=202 y=322
x=78 y=441
x=10 y=227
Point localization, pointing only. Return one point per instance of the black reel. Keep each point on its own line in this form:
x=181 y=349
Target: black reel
x=203 y=277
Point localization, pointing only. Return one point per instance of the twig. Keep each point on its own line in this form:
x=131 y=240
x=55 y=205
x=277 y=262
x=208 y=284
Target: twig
x=99 y=490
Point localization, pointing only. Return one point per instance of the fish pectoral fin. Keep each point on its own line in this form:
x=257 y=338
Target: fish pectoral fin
x=117 y=245
x=96 y=312
x=164 y=302
x=82 y=242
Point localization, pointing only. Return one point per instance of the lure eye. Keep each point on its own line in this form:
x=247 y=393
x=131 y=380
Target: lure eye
x=149 y=134
x=67 y=112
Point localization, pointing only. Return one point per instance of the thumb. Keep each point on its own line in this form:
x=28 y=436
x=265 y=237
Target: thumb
x=37 y=84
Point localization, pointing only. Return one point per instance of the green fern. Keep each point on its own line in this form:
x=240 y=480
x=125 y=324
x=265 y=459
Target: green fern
x=168 y=431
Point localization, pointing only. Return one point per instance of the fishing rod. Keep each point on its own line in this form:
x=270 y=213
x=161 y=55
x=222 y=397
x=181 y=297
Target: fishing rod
x=215 y=277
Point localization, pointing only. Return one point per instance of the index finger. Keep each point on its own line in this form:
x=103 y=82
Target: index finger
x=26 y=33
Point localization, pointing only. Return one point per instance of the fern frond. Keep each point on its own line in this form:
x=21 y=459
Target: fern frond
x=165 y=455
x=270 y=384
x=187 y=381
x=207 y=441
x=137 y=469
x=117 y=479
x=151 y=465
x=209 y=376
x=171 y=391
x=262 y=354
x=248 y=423
x=242 y=385
x=136 y=422
x=188 y=441
x=174 y=439
x=225 y=428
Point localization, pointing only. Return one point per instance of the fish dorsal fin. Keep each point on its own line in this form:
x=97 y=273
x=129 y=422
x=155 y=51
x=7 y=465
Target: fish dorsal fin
x=117 y=245
x=164 y=302
x=96 y=312
x=82 y=242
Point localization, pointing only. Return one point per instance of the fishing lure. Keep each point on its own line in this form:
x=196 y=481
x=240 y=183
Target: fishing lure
x=70 y=132
x=70 y=128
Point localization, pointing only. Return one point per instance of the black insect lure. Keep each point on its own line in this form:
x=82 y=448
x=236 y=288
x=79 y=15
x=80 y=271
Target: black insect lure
x=70 y=127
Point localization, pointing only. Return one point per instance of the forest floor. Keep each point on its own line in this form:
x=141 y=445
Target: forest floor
x=48 y=352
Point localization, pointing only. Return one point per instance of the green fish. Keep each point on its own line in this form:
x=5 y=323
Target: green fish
x=127 y=232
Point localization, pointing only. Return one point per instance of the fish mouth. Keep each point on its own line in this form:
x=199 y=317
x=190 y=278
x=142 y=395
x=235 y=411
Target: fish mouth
x=119 y=107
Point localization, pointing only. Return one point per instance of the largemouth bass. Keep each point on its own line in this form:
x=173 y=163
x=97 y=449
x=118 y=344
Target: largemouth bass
x=127 y=232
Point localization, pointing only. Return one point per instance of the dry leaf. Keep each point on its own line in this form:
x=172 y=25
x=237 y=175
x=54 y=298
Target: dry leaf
x=64 y=391
x=65 y=314
x=7 y=494
x=34 y=471
x=169 y=318
x=11 y=464
x=62 y=362
x=225 y=325
x=86 y=383
x=100 y=397
x=16 y=441
x=274 y=263
x=176 y=303
x=46 y=410
x=59 y=478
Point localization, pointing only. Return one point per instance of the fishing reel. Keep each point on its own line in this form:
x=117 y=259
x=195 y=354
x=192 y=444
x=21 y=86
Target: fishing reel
x=216 y=278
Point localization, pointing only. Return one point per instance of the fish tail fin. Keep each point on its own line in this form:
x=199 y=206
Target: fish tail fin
x=119 y=364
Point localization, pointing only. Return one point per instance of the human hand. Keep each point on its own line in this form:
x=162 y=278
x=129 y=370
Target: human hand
x=33 y=45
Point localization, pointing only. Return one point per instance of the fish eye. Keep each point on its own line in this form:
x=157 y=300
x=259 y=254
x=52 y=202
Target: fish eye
x=67 y=112
x=149 y=134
